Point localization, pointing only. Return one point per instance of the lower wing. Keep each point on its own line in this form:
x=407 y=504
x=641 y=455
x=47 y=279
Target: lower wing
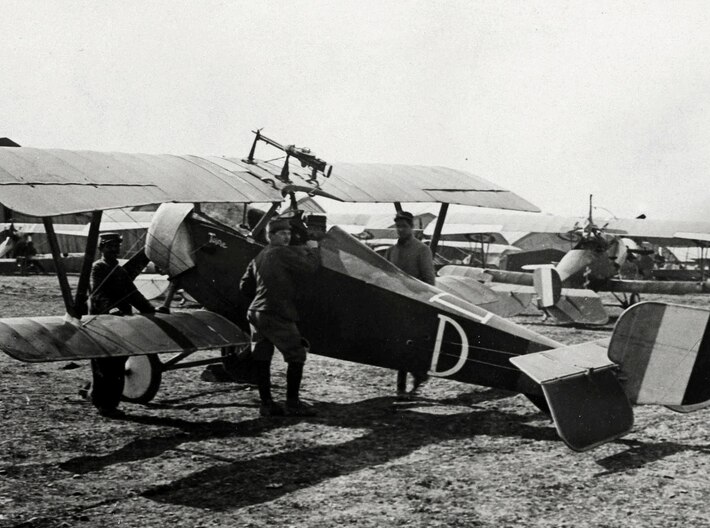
x=40 y=339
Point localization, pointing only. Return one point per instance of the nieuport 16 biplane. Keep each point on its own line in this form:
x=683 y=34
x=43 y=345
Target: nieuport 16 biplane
x=358 y=307
x=595 y=262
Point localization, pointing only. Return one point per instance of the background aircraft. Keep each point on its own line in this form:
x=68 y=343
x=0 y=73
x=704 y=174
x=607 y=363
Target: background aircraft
x=613 y=257
x=359 y=307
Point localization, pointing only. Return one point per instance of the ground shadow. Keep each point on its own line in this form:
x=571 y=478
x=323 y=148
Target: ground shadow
x=393 y=432
x=153 y=446
x=639 y=454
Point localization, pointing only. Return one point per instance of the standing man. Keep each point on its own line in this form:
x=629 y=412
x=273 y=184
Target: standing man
x=413 y=257
x=112 y=292
x=272 y=279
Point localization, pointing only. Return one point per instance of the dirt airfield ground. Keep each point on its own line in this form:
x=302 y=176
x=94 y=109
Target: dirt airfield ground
x=200 y=455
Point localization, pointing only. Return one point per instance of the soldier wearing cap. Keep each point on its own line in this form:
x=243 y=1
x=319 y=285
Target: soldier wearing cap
x=272 y=280
x=112 y=292
x=413 y=257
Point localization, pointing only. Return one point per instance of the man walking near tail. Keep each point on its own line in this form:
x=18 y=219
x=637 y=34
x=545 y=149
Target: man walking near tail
x=272 y=280
x=413 y=257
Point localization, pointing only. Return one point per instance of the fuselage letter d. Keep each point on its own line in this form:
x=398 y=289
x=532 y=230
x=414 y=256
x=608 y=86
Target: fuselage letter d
x=463 y=356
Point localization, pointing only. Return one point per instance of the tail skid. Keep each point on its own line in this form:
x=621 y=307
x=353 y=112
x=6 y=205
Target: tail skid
x=658 y=354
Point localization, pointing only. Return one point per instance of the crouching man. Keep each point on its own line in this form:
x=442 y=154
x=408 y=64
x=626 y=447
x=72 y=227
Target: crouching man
x=272 y=280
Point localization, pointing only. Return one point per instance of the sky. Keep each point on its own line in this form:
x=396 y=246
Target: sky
x=552 y=100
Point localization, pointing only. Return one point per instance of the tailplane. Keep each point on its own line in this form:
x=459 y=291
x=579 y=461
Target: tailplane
x=658 y=354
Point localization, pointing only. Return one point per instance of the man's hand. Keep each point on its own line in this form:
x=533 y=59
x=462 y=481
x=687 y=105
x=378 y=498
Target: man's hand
x=316 y=234
x=313 y=244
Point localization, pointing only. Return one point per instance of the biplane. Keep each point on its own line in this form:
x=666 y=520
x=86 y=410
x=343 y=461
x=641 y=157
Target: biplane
x=595 y=261
x=358 y=307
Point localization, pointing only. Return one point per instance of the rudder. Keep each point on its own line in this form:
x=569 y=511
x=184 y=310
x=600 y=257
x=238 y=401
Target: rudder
x=663 y=351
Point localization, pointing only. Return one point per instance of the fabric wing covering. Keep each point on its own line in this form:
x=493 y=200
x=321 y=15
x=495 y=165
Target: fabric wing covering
x=49 y=182
x=40 y=339
x=669 y=233
x=378 y=182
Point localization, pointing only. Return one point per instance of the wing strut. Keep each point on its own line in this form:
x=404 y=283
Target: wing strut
x=59 y=265
x=261 y=225
x=438 y=227
x=89 y=253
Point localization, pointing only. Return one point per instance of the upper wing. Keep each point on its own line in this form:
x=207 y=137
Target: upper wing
x=379 y=182
x=50 y=182
x=39 y=339
x=469 y=222
x=669 y=233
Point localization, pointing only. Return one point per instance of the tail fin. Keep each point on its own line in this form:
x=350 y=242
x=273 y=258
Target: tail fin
x=663 y=351
x=548 y=286
x=568 y=305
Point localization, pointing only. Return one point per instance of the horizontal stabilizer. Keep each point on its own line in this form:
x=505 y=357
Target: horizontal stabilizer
x=489 y=297
x=579 y=307
x=41 y=339
x=586 y=400
x=663 y=351
x=556 y=363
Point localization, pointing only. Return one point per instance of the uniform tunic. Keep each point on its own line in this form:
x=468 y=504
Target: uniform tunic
x=414 y=258
x=271 y=279
x=112 y=288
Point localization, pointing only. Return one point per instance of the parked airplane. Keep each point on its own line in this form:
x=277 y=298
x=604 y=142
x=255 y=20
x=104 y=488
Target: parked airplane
x=593 y=263
x=359 y=307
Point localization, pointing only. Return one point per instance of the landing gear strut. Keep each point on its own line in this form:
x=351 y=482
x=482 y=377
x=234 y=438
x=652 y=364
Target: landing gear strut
x=627 y=301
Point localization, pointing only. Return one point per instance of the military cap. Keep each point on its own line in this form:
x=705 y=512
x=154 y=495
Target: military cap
x=278 y=224
x=105 y=238
x=406 y=216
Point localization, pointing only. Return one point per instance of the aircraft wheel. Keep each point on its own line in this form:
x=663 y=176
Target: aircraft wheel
x=143 y=376
x=238 y=364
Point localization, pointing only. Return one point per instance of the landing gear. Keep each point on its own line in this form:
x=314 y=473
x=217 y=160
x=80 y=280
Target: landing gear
x=143 y=377
x=626 y=301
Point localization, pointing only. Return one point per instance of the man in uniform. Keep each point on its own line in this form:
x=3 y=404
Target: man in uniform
x=271 y=279
x=112 y=292
x=413 y=257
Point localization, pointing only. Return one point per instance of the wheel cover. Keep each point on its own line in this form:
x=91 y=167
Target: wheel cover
x=139 y=374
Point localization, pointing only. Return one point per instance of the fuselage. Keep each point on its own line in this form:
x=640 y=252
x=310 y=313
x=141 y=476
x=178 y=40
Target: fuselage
x=359 y=307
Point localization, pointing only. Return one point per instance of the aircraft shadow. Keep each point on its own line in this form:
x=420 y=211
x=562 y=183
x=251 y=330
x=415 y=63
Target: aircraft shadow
x=170 y=403
x=392 y=434
x=153 y=446
x=639 y=454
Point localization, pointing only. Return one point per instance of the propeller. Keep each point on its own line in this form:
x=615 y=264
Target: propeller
x=588 y=231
